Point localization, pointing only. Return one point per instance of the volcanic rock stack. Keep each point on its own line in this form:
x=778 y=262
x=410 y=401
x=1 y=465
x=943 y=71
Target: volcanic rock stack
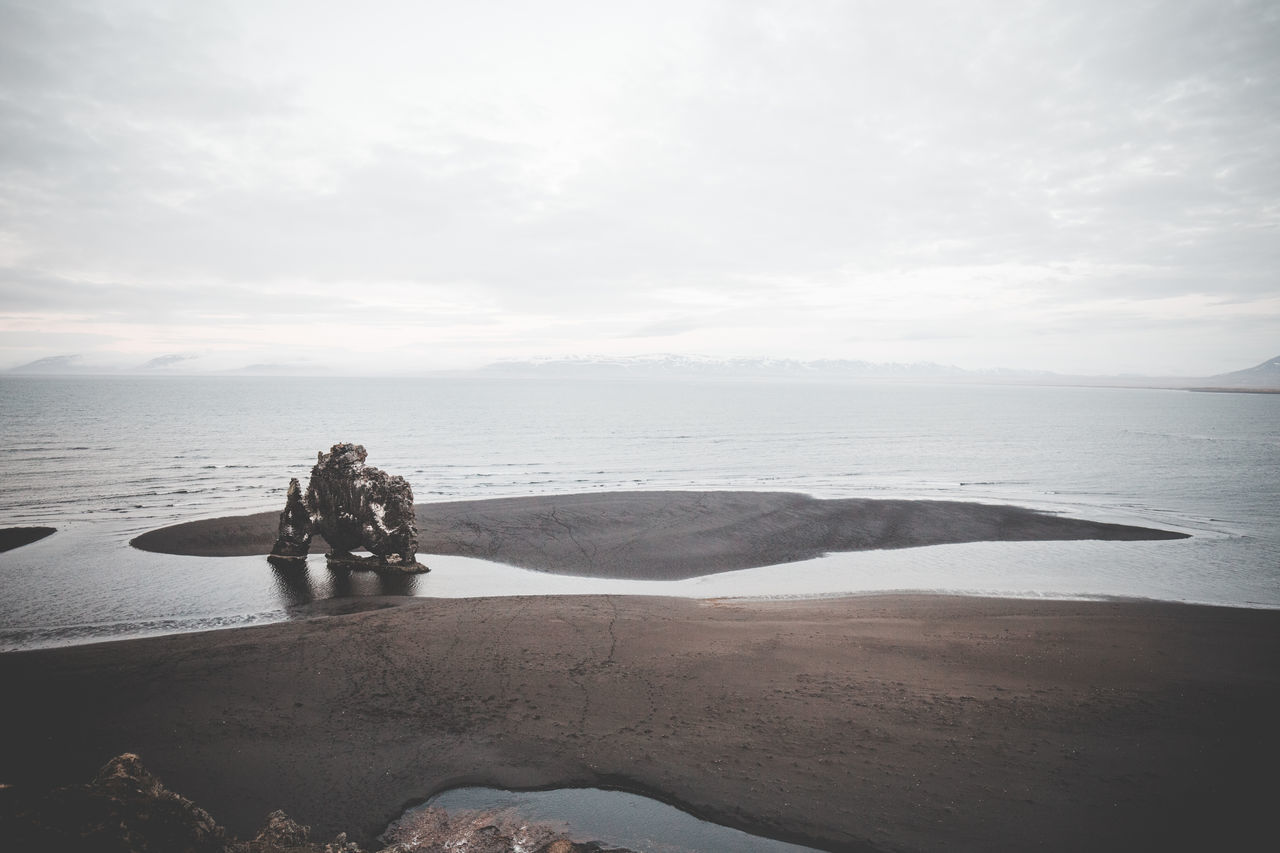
x=352 y=506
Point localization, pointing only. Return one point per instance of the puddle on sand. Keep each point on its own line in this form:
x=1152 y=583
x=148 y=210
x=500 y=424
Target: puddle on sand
x=610 y=818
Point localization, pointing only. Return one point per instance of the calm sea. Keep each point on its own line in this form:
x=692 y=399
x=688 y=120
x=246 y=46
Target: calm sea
x=103 y=459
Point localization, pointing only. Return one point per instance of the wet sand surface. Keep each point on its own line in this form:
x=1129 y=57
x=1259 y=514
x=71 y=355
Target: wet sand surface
x=670 y=535
x=867 y=723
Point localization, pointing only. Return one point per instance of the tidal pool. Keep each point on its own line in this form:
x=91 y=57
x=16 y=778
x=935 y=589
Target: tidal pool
x=612 y=818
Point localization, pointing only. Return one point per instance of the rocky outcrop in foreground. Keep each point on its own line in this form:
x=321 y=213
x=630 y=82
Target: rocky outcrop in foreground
x=127 y=810
x=352 y=506
x=124 y=808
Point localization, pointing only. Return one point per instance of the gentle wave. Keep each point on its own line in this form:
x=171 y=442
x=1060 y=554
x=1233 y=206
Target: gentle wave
x=56 y=636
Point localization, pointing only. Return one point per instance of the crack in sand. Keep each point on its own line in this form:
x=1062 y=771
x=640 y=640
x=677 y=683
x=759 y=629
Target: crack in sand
x=589 y=556
x=613 y=637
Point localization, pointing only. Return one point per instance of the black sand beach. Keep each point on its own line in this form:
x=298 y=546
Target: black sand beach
x=865 y=723
x=875 y=723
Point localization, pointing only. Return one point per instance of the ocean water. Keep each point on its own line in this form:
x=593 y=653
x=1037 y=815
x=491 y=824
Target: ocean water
x=103 y=459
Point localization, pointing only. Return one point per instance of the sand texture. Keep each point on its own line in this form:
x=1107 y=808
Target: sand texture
x=670 y=535
x=868 y=723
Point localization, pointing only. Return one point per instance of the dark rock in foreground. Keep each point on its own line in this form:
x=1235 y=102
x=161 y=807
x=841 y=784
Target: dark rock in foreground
x=124 y=808
x=127 y=810
x=352 y=506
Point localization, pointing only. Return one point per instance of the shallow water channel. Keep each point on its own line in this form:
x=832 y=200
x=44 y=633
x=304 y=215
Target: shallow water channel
x=612 y=818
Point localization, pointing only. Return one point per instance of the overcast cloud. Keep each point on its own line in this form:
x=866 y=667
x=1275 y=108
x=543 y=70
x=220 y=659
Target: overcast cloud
x=1072 y=186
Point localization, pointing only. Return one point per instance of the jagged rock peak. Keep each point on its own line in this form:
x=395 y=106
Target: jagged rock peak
x=126 y=767
x=293 y=539
x=283 y=831
x=343 y=457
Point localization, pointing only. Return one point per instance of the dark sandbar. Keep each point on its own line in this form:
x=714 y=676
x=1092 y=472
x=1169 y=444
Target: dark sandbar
x=670 y=535
x=16 y=537
x=871 y=723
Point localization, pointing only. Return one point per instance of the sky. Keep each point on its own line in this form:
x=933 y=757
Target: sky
x=1082 y=187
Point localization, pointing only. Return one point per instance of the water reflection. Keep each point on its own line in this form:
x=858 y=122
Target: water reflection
x=343 y=583
x=293 y=585
x=297 y=586
x=401 y=584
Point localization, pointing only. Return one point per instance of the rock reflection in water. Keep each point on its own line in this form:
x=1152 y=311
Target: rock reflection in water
x=293 y=585
x=347 y=583
x=298 y=586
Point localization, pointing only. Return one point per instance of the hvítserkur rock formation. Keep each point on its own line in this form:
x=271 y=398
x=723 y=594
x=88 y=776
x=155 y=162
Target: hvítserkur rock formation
x=351 y=505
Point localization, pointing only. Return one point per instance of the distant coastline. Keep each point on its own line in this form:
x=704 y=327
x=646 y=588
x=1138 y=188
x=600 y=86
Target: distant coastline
x=680 y=367
x=1236 y=390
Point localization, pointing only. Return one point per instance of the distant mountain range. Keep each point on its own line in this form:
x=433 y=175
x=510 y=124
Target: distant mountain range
x=54 y=364
x=665 y=366
x=164 y=365
x=1263 y=377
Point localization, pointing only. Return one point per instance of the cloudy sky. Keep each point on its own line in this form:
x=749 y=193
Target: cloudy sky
x=1073 y=186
